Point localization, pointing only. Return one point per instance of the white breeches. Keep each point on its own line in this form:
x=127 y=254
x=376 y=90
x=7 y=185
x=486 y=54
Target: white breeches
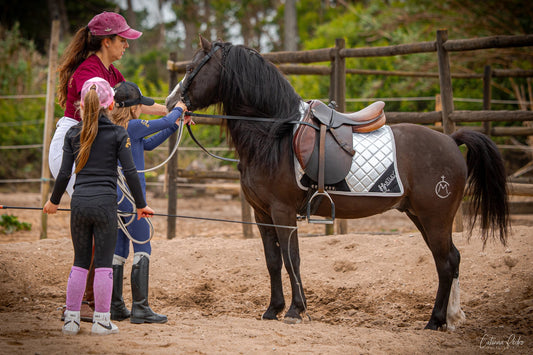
x=55 y=155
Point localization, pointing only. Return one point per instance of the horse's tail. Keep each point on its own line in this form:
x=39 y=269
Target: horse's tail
x=487 y=184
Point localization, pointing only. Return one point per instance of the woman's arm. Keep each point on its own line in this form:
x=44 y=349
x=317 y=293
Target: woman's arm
x=139 y=128
x=154 y=141
x=155 y=109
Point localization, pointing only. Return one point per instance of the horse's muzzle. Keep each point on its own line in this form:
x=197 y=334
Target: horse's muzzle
x=174 y=97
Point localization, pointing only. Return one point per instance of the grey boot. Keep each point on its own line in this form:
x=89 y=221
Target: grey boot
x=118 y=308
x=140 y=310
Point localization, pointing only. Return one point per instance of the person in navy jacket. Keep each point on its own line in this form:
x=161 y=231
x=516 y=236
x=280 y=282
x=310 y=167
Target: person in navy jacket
x=144 y=135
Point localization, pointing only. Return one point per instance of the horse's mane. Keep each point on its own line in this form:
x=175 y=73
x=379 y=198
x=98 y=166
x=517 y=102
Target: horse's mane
x=252 y=86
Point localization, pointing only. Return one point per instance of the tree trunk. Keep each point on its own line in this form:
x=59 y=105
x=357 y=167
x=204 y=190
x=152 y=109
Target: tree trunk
x=57 y=8
x=132 y=22
x=208 y=20
x=161 y=35
x=291 y=26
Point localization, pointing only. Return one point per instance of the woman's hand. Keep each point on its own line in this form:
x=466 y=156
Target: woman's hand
x=144 y=212
x=181 y=105
x=49 y=207
x=186 y=119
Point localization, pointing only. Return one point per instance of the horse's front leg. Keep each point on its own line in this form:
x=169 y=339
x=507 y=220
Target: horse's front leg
x=288 y=241
x=274 y=264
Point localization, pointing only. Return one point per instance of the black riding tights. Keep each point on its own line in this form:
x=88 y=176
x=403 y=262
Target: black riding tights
x=93 y=216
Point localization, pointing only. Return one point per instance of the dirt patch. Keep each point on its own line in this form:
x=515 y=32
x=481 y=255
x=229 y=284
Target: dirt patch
x=369 y=291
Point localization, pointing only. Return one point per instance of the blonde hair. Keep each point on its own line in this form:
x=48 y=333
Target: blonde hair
x=89 y=129
x=122 y=115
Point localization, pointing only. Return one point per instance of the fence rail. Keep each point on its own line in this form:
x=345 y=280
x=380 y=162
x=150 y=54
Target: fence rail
x=447 y=116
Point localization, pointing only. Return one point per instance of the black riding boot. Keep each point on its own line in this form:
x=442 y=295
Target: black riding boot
x=118 y=308
x=140 y=310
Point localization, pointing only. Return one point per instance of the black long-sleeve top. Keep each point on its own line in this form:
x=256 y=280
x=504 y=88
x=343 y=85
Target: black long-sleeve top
x=99 y=175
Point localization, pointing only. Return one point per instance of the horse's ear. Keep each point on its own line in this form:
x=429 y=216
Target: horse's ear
x=206 y=45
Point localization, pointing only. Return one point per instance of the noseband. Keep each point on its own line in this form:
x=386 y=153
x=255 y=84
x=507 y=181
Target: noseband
x=185 y=97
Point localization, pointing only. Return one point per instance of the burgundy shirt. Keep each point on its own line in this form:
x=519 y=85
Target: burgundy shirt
x=89 y=68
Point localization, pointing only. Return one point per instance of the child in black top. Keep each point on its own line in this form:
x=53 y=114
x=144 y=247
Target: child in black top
x=94 y=145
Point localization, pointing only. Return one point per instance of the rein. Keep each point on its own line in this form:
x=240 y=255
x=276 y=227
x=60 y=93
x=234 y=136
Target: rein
x=244 y=118
x=205 y=149
x=247 y=118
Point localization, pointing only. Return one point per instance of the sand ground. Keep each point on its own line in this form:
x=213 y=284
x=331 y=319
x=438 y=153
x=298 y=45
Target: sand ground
x=369 y=292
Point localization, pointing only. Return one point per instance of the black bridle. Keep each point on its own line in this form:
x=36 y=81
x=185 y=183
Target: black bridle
x=185 y=97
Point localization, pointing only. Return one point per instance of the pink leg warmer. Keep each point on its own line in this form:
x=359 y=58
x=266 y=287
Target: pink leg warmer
x=76 y=287
x=103 y=288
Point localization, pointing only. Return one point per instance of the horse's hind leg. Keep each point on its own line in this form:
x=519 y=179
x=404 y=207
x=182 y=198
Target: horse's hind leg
x=454 y=313
x=447 y=309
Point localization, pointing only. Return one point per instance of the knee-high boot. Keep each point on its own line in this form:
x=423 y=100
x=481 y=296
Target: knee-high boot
x=140 y=310
x=118 y=308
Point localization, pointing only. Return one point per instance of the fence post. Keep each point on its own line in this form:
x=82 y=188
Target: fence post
x=337 y=91
x=48 y=122
x=487 y=96
x=340 y=75
x=438 y=108
x=246 y=214
x=446 y=96
x=445 y=78
x=172 y=186
x=340 y=99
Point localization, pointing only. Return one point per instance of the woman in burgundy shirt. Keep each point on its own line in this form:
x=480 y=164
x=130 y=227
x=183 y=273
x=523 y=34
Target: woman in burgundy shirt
x=90 y=54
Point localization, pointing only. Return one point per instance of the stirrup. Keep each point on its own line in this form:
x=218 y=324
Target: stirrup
x=321 y=220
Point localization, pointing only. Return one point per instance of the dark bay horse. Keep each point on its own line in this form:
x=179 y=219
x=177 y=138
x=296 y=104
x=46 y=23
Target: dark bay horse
x=243 y=83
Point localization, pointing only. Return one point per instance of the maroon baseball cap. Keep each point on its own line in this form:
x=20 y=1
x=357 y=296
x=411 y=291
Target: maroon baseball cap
x=111 y=23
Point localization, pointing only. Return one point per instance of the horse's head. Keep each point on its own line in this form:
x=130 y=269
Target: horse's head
x=199 y=86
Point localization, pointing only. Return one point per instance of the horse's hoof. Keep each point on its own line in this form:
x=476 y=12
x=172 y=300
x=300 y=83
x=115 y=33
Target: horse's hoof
x=432 y=326
x=291 y=320
x=263 y=317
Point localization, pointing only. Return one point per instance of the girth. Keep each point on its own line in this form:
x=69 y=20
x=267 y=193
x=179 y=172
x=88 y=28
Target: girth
x=324 y=146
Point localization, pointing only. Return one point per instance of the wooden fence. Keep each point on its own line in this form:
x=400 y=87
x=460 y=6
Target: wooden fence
x=337 y=71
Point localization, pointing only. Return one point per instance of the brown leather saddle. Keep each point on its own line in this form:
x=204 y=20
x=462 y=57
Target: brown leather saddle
x=323 y=142
x=325 y=146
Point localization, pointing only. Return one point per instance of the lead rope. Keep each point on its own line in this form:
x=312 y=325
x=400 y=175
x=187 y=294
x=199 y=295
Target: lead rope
x=125 y=218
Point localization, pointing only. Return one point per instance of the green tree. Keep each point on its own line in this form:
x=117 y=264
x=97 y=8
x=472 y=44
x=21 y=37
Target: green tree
x=410 y=21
